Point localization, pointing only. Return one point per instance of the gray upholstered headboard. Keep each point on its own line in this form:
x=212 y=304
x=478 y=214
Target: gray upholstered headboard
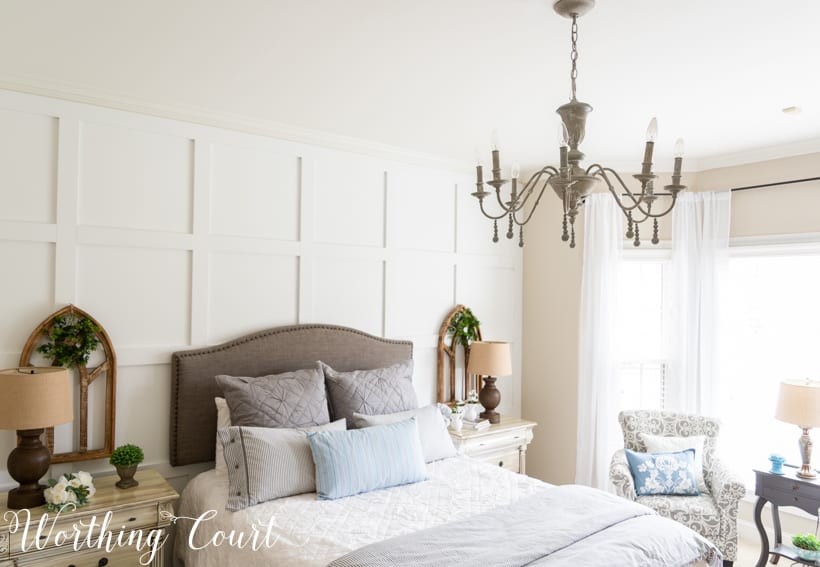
x=193 y=414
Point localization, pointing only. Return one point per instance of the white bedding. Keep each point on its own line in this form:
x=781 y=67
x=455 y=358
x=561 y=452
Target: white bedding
x=310 y=532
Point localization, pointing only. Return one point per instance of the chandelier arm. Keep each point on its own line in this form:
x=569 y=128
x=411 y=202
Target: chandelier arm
x=601 y=172
x=638 y=203
x=522 y=197
x=501 y=204
x=535 y=205
x=648 y=214
x=512 y=206
x=489 y=216
x=531 y=184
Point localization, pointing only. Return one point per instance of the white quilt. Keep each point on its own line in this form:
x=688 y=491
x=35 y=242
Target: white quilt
x=303 y=531
x=307 y=532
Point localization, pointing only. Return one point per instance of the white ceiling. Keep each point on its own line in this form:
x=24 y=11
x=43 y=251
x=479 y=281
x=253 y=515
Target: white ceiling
x=437 y=76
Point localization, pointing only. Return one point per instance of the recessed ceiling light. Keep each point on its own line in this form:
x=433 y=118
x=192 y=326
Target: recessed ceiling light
x=792 y=110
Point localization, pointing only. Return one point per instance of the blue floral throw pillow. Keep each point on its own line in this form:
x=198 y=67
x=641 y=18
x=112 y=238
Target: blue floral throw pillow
x=664 y=473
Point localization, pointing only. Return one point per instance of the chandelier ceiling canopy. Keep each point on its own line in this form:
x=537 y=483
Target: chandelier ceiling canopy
x=571 y=182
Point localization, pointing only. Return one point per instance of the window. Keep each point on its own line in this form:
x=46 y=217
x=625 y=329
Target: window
x=640 y=337
x=771 y=332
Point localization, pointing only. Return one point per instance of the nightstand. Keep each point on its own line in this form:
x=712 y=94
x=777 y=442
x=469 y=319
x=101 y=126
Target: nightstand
x=132 y=513
x=783 y=490
x=503 y=444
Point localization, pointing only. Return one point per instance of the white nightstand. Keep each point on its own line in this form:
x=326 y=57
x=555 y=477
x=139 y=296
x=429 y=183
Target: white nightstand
x=137 y=509
x=503 y=444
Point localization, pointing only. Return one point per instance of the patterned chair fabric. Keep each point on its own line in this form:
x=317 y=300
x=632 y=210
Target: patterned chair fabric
x=713 y=515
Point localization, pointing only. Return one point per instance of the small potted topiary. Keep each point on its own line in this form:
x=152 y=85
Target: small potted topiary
x=126 y=458
x=808 y=546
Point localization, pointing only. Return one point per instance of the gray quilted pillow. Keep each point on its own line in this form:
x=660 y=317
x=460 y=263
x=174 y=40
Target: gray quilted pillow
x=291 y=399
x=370 y=392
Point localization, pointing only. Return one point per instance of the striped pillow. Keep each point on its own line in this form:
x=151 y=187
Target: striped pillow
x=361 y=460
x=267 y=463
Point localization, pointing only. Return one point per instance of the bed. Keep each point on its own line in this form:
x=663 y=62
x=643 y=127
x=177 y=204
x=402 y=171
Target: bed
x=462 y=512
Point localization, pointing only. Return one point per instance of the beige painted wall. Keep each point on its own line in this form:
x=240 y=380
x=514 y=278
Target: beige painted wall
x=552 y=282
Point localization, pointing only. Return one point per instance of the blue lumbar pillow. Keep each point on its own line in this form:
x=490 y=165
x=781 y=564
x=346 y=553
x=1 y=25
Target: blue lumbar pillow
x=361 y=460
x=664 y=473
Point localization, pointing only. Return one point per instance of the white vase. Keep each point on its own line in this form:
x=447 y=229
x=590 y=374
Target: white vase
x=471 y=412
x=456 y=422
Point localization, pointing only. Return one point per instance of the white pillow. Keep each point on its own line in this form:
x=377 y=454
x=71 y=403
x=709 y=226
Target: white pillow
x=223 y=419
x=661 y=444
x=436 y=442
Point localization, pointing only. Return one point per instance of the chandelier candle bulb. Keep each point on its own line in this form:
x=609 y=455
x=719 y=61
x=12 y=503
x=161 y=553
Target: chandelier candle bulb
x=679 y=148
x=652 y=130
x=651 y=136
x=515 y=171
x=563 y=135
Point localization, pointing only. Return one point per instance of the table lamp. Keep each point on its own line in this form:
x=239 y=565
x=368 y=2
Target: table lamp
x=32 y=399
x=798 y=402
x=490 y=359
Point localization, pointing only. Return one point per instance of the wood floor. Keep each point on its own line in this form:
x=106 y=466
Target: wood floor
x=748 y=552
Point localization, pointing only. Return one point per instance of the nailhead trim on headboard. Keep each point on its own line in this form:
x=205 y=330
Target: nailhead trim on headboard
x=272 y=351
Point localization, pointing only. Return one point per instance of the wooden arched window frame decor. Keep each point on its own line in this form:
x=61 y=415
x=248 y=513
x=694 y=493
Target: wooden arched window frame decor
x=86 y=376
x=447 y=356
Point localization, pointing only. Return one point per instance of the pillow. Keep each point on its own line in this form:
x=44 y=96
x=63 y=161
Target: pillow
x=264 y=463
x=223 y=419
x=663 y=473
x=291 y=399
x=370 y=392
x=661 y=444
x=436 y=443
x=361 y=460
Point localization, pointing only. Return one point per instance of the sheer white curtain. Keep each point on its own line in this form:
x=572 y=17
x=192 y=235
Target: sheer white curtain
x=700 y=257
x=598 y=433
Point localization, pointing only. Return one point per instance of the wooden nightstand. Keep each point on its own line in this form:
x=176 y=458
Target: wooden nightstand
x=133 y=512
x=503 y=444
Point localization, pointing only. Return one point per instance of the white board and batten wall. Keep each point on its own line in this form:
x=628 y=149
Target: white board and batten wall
x=176 y=235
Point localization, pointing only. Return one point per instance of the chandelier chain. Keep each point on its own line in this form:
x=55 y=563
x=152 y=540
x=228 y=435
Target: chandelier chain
x=574 y=54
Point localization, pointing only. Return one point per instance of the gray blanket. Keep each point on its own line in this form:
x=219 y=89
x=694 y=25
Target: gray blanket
x=565 y=525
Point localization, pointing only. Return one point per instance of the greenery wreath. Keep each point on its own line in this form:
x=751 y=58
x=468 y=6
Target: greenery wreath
x=464 y=327
x=70 y=341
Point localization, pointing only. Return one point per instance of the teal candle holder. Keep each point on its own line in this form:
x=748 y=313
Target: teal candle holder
x=777 y=464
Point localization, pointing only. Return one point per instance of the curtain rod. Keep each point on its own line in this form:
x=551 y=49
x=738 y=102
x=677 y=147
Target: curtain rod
x=774 y=184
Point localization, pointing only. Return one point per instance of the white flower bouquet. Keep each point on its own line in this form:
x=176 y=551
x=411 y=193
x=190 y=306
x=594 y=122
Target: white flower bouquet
x=70 y=490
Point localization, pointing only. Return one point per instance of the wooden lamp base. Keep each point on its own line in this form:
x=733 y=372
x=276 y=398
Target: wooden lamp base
x=490 y=397
x=27 y=464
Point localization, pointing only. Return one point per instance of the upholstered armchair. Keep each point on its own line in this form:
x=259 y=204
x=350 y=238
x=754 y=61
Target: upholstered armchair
x=712 y=515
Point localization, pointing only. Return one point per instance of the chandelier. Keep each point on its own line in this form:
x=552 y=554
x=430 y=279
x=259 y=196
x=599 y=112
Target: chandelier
x=570 y=181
